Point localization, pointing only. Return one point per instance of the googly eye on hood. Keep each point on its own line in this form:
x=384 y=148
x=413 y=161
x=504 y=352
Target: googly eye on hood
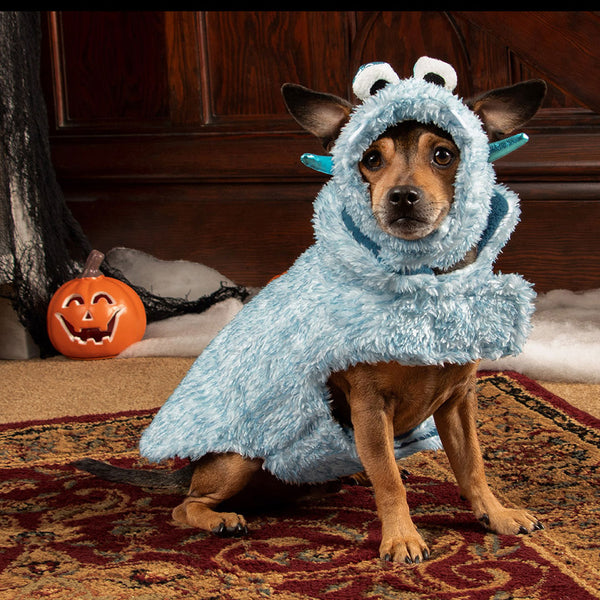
x=483 y=213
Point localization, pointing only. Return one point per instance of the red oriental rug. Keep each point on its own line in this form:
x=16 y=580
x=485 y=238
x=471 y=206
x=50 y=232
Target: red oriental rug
x=67 y=535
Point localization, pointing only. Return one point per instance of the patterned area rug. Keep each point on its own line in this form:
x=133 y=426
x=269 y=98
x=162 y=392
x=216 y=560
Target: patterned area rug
x=67 y=535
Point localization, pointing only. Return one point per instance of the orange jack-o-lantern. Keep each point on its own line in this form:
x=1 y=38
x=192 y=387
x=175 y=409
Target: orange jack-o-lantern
x=94 y=316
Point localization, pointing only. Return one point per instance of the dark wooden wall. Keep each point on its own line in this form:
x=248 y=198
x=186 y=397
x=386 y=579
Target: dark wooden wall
x=169 y=134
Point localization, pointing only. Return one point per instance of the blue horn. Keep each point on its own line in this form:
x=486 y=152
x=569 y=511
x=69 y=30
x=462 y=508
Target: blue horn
x=323 y=164
x=503 y=147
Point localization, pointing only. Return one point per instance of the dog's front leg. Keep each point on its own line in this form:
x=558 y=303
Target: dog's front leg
x=457 y=427
x=373 y=430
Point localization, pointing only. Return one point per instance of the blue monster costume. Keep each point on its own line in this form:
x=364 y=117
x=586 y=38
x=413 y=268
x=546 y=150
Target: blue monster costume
x=356 y=295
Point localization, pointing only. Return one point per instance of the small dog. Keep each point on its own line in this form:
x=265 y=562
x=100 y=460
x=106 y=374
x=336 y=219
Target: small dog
x=410 y=172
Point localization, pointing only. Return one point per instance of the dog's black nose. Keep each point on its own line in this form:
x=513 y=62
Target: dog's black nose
x=404 y=195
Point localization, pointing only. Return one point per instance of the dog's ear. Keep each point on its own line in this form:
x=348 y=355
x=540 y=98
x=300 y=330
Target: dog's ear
x=505 y=109
x=319 y=113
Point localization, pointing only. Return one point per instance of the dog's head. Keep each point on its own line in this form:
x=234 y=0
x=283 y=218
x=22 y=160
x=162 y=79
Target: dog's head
x=410 y=168
x=417 y=153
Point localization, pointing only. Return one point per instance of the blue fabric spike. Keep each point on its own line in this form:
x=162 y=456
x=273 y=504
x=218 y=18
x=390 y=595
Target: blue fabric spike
x=356 y=295
x=506 y=146
x=323 y=164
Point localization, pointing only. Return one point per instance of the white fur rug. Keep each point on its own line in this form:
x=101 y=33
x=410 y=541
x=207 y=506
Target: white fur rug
x=564 y=344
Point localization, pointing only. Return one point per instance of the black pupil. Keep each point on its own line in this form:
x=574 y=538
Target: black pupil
x=434 y=78
x=378 y=85
x=372 y=159
x=443 y=155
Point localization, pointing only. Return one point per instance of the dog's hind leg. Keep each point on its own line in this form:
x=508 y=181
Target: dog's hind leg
x=217 y=478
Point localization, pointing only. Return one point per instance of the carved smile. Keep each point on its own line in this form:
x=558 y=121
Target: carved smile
x=85 y=334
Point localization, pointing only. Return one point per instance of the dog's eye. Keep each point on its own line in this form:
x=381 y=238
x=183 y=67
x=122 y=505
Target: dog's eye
x=443 y=157
x=372 y=160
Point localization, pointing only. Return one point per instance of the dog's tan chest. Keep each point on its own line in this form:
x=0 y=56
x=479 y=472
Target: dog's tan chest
x=408 y=394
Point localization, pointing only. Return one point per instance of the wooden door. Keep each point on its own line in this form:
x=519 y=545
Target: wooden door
x=169 y=134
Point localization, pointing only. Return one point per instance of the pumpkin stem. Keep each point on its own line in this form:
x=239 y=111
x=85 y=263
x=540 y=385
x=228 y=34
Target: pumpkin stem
x=92 y=264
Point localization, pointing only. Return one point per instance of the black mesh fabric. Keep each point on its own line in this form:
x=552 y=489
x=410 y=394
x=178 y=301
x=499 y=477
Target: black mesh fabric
x=41 y=244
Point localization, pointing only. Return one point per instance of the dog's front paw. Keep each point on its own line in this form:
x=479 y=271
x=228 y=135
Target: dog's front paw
x=508 y=521
x=410 y=549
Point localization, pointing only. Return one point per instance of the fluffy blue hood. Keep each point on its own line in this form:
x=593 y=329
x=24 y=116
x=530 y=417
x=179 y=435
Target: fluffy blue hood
x=356 y=295
x=483 y=214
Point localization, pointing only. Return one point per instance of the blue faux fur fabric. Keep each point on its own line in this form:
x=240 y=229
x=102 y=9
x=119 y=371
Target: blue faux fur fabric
x=356 y=295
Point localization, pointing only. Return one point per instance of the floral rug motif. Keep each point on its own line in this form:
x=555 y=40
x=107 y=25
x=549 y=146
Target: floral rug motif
x=65 y=534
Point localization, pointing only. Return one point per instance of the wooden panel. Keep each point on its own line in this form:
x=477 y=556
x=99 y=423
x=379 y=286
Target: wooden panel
x=187 y=103
x=400 y=38
x=169 y=133
x=213 y=98
x=110 y=68
x=570 y=156
x=251 y=54
x=556 y=245
x=248 y=233
x=195 y=158
x=562 y=45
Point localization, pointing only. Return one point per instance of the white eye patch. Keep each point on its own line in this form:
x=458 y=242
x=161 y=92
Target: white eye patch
x=436 y=71
x=371 y=77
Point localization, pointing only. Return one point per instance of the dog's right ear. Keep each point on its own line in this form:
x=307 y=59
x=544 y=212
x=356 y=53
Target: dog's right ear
x=319 y=113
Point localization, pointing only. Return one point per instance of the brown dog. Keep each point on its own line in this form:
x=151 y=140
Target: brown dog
x=410 y=170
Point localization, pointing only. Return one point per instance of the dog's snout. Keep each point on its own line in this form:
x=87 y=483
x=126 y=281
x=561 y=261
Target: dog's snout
x=404 y=195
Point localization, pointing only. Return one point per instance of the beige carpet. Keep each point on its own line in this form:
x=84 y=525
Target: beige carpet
x=59 y=387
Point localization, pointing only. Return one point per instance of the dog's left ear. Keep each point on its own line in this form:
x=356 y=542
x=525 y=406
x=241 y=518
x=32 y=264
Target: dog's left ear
x=319 y=113
x=505 y=109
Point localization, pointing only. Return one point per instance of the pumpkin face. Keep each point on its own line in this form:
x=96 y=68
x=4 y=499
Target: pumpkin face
x=95 y=316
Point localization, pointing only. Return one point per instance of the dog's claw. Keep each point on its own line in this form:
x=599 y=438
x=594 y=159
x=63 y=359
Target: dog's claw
x=538 y=526
x=234 y=531
x=523 y=530
x=485 y=519
x=409 y=558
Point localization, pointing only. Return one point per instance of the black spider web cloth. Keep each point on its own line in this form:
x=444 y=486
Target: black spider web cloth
x=41 y=244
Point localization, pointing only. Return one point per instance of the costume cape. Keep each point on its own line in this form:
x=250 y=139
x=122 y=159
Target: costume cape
x=356 y=295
